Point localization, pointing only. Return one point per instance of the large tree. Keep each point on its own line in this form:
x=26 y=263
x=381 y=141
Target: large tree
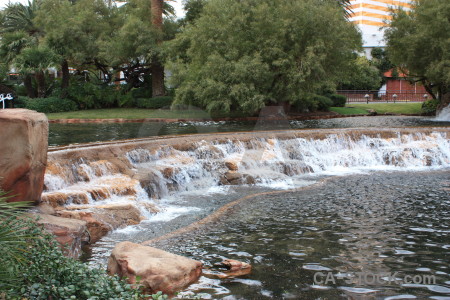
x=18 y=32
x=73 y=30
x=250 y=53
x=419 y=43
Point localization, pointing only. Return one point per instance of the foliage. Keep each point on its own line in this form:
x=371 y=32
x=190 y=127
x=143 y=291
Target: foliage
x=246 y=54
x=193 y=10
x=88 y=95
x=429 y=107
x=13 y=236
x=46 y=105
x=322 y=103
x=35 y=59
x=418 y=43
x=338 y=100
x=362 y=76
x=48 y=274
x=154 y=103
x=381 y=60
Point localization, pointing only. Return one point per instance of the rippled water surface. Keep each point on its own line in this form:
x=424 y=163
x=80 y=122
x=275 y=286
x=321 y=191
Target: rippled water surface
x=63 y=134
x=397 y=223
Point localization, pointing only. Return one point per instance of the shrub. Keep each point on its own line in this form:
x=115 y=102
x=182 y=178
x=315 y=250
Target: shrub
x=338 y=100
x=141 y=92
x=429 y=107
x=154 y=103
x=46 y=105
x=47 y=274
x=322 y=103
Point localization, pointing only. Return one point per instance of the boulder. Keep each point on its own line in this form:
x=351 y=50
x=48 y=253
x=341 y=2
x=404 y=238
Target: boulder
x=71 y=234
x=232 y=165
x=158 y=270
x=23 y=153
x=235 y=178
x=233 y=268
x=96 y=228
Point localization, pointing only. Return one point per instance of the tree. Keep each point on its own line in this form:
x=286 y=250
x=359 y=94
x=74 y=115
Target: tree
x=157 y=67
x=73 y=31
x=419 y=43
x=19 y=31
x=248 y=54
x=36 y=60
x=362 y=76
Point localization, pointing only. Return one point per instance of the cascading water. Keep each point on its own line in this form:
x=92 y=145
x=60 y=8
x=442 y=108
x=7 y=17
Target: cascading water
x=141 y=175
x=444 y=114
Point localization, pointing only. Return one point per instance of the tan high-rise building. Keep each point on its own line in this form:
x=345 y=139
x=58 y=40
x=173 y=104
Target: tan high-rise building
x=371 y=16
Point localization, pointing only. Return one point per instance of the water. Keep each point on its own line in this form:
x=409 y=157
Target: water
x=64 y=134
x=370 y=204
x=395 y=223
x=444 y=115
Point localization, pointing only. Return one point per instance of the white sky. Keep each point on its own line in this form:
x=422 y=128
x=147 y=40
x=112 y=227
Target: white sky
x=176 y=4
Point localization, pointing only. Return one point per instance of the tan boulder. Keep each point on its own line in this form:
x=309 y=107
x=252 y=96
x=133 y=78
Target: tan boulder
x=23 y=153
x=234 y=268
x=96 y=228
x=158 y=270
x=235 y=178
x=232 y=165
x=57 y=199
x=71 y=234
x=114 y=215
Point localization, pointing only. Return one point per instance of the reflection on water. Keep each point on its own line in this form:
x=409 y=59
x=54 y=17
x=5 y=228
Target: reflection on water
x=382 y=223
x=64 y=134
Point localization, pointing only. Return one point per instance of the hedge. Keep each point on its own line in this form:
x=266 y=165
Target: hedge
x=154 y=103
x=46 y=105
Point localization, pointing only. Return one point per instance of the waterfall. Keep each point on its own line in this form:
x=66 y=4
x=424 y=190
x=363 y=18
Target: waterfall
x=126 y=180
x=444 y=114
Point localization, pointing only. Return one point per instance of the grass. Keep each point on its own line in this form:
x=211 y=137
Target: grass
x=138 y=113
x=396 y=108
x=349 y=110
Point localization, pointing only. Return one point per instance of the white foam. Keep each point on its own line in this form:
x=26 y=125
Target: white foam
x=169 y=213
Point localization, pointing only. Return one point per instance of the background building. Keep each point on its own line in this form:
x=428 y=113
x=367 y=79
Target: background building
x=371 y=16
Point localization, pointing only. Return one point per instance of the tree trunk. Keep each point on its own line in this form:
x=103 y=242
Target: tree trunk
x=65 y=78
x=40 y=80
x=157 y=79
x=157 y=67
x=28 y=82
x=157 y=13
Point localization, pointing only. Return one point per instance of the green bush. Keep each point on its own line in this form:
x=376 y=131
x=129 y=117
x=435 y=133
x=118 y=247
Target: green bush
x=154 y=103
x=322 y=103
x=429 y=107
x=47 y=274
x=45 y=105
x=338 y=100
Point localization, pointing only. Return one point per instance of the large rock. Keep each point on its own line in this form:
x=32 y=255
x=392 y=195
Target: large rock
x=71 y=234
x=101 y=219
x=23 y=153
x=158 y=270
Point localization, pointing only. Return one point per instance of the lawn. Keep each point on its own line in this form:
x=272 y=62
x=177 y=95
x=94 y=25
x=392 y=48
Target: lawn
x=396 y=108
x=137 y=113
x=349 y=110
x=140 y=113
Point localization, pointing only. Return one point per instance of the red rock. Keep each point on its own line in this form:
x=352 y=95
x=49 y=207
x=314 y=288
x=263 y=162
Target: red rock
x=23 y=153
x=71 y=234
x=158 y=270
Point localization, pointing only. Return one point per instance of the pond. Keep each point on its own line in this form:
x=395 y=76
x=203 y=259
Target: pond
x=64 y=134
x=387 y=224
